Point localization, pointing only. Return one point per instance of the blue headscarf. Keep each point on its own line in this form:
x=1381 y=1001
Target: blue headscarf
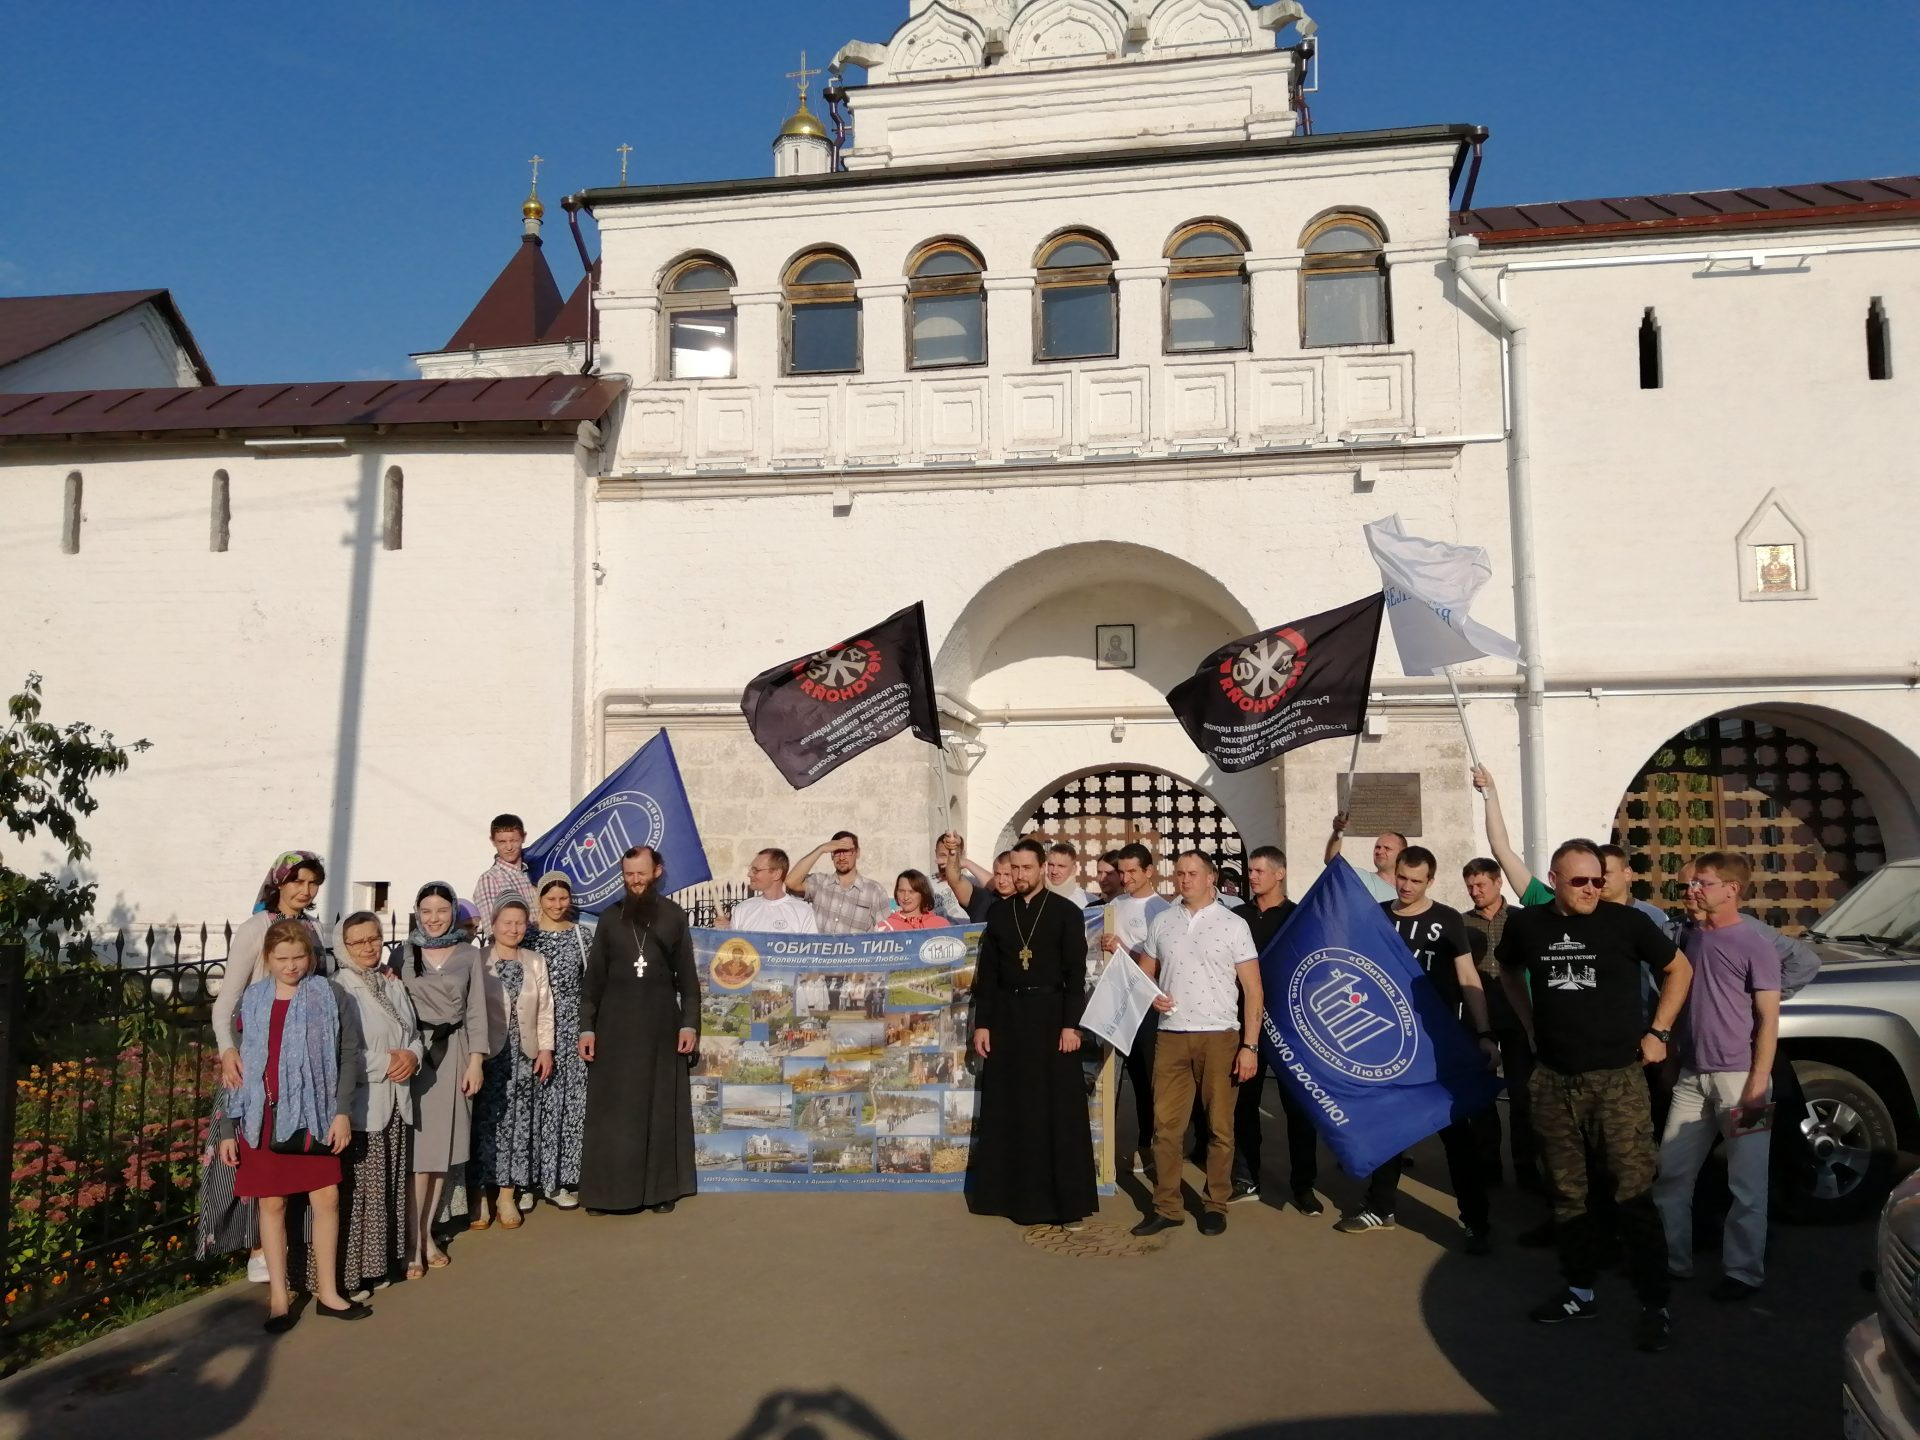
x=309 y=1069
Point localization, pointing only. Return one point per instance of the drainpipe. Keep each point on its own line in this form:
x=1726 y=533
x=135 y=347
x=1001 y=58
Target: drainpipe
x=1461 y=251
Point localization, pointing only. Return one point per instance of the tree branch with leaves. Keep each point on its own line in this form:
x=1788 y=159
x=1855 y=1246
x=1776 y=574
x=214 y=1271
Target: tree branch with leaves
x=47 y=775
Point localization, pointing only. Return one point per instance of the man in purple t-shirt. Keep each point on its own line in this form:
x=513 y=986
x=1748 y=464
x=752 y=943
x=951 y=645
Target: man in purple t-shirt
x=1728 y=1036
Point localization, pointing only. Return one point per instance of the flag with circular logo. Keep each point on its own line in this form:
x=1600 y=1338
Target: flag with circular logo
x=1265 y=694
x=813 y=714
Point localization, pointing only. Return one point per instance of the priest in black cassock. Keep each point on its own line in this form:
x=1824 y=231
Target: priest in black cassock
x=639 y=1025
x=1032 y=1146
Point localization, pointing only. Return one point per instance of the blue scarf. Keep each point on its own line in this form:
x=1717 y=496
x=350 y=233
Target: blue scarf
x=309 y=1060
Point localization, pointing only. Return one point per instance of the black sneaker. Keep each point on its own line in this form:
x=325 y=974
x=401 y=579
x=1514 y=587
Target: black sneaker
x=1362 y=1222
x=1653 y=1330
x=1731 y=1290
x=1213 y=1223
x=1479 y=1242
x=1154 y=1224
x=1243 y=1191
x=1563 y=1307
x=1308 y=1203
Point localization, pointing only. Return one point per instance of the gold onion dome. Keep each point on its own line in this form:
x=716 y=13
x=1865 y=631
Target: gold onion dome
x=533 y=209
x=803 y=124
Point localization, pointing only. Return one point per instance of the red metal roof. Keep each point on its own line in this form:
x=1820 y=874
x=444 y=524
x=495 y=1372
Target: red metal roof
x=1832 y=202
x=30 y=324
x=572 y=321
x=326 y=407
x=517 y=308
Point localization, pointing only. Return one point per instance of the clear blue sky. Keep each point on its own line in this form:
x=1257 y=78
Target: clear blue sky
x=326 y=188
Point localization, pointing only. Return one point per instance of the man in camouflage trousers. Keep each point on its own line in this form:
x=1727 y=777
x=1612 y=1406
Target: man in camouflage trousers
x=1573 y=972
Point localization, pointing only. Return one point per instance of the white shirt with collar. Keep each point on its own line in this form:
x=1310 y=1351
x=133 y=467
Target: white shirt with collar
x=1197 y=951
x=789 y=915
x=1132 y=917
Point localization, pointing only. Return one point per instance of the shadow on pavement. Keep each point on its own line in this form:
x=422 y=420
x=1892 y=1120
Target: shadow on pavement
x=192 y=1388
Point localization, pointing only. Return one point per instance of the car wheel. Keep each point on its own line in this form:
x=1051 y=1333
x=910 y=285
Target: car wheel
x=1840 y=1167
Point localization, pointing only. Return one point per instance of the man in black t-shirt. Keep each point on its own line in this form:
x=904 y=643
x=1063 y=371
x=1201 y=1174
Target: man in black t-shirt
x=1437 y=936
x=1266 y=911
x=1583 y=962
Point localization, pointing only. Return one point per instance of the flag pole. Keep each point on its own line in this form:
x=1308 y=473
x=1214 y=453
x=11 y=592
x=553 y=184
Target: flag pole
x=1460 y=708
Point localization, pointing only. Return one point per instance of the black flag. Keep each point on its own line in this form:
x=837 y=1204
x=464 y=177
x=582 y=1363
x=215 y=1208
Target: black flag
x=1265 y=694
x=814 y=714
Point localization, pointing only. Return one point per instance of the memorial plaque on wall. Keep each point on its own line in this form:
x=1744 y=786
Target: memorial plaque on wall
x=1377 y=802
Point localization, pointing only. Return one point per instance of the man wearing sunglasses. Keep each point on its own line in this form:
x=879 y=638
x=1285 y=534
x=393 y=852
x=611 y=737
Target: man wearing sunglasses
x=1586 y=1018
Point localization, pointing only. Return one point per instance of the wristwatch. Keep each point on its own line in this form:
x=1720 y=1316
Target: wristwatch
x=1663 y=1036
x=1245 y=1046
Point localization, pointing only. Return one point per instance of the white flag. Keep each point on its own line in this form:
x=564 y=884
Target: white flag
x=1119 y=1002
x=1430 y=587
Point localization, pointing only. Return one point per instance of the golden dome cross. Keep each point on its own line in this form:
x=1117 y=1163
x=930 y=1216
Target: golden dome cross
x=801 y=76
x=536 y=163
x=624 y=150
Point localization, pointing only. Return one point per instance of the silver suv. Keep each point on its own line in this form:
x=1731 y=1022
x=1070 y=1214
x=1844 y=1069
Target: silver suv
x=1853 y=1036
x=1881 y=1387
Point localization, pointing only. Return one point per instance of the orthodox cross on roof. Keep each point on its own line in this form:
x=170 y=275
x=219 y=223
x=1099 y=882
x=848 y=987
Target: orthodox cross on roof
x=625 y=150
x=536 y=162
x=801 y=76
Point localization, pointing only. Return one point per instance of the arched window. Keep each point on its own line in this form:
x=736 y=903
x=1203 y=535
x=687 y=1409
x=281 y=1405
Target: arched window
x=823 y=315
x=220 y=525
x=393 y=499
x=1206 y=290
x=697 y=306
x=946 y=307
x=1343 y=284
x=1077 y=307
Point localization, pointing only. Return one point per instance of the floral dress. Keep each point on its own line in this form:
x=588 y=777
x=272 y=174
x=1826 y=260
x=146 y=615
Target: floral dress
x=503 y=1122
x=560 y=1106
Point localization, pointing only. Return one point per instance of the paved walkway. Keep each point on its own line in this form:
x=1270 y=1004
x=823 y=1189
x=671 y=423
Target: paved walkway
x=930 y=1324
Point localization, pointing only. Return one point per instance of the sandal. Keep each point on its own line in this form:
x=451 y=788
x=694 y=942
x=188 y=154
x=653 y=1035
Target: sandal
x=439 y=1260
x=482 y=1220
x=511 y=1222
x=416 y=1271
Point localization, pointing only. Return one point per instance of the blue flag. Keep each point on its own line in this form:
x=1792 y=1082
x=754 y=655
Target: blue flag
x=1357 y=1030
x=641 y=803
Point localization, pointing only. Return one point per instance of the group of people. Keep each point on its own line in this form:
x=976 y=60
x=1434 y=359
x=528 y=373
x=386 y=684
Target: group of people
x=364 y=1081
x=1630 y=1043
x=551 y=1058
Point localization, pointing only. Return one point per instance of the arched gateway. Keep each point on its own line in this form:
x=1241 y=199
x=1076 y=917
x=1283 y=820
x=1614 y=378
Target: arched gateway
x=1105 y=809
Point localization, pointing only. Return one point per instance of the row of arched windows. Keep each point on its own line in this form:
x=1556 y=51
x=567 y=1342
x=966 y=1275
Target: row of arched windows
x=1076 y=303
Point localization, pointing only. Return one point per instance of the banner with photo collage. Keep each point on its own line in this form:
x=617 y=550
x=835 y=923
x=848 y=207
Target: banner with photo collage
x=839 y=1062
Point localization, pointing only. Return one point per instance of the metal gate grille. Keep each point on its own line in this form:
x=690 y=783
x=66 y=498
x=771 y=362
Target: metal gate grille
x=1111 y=808
x=1736 y=784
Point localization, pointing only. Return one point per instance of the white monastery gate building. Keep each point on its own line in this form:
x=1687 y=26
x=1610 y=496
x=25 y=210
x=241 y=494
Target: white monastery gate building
x=1083 y=338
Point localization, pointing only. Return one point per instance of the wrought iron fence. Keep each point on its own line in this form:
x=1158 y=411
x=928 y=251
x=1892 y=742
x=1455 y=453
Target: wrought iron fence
x=114 y=1076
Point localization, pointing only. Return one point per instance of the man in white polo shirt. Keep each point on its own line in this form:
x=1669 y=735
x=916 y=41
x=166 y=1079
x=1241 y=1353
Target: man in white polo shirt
x=771 y=910
x=1204 y=960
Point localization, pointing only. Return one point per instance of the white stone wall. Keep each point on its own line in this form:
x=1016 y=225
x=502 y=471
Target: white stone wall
x=234 y=665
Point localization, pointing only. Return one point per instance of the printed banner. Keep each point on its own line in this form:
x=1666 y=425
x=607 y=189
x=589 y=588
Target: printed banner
x=641 y=803
x=1430 y=586
x=814 y=714
x=1272 y=692
x=839 y=1062
x=1354 y=1025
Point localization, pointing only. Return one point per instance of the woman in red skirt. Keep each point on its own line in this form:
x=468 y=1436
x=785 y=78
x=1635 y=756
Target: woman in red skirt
x=300 y=1065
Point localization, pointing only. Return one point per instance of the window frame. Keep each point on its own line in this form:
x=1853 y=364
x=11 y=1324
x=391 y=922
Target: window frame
x=795 y=295
x=675 y=302
x=1073 y=277
x=1206 y=267
x=967 y=284
x=1343 y=262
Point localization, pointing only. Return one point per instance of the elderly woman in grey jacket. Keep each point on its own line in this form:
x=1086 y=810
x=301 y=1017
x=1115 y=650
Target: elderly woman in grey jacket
x=378 y=1165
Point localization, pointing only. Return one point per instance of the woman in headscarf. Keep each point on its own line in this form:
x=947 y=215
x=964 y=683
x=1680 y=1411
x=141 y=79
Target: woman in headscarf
x=378 y=1165
x=229 y=1222
x=446 y=979
x=503 y=1112
x=560 y=1106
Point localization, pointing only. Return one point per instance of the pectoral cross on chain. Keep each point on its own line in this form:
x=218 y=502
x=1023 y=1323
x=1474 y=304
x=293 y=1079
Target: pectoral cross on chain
x=640 y=967
x=1026 y=958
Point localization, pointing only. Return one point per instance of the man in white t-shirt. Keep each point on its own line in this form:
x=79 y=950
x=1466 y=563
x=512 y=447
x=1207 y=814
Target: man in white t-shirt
x=1387 y=846
x=771 y=910
x=1063 y=870
x=1205 y=960
x=1133 y=912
